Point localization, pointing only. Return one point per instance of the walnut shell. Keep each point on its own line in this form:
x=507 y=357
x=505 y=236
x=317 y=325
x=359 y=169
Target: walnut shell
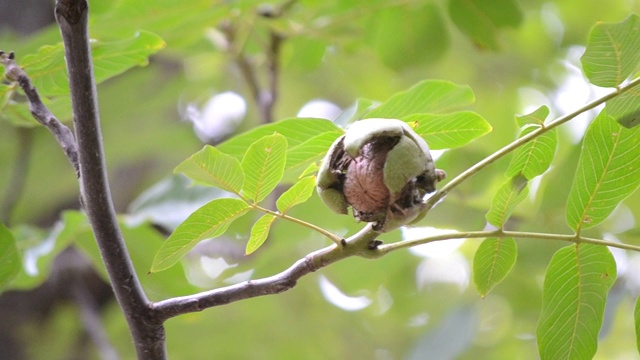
x=380 y=168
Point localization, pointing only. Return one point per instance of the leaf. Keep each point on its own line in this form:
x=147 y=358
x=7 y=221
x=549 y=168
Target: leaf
x=143 y=240
x=448 y=131
x=10 y=261
x=608 y=172
x=296 y=194
x=429 y=96
x=209 y=221
x=39 y=248
x=510 y=194
x=169 y=202
x=259 y=233
x=625 y=108
x=492 y=262
x=309 y=151
x=47 y=68
x=419 y=24
x=180 y=23
x=311 y=169
x=263 y=166
x=534 y=157
x=537 y=117
x=210 y=166
x=296 y=131
x=481 y=20
x=574 y=296
x=613 y=52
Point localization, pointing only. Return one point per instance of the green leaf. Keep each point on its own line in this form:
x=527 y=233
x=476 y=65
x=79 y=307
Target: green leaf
x=180 y=23
x=418 y=24
x=263 y=166
x=613 y=52
x=296 y=194
x=429 y=96
x=311 y=169
x=636 y=316
x=39 y=248
x=537 y=117
x=448 y=131
x=481 y=20
x=142 y=241
x=492 y=262
x=534 y=157
x=210 y=166
x=314 y=149
x=608 y=172
x=574 y=296
x=259 y=233
x=209 y=221
x=47 y=68
x=625 y=108
x=296 y=131
x=510 y=194
x=10 y=262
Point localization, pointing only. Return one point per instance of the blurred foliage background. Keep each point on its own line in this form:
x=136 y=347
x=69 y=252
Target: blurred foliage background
x=515 y=55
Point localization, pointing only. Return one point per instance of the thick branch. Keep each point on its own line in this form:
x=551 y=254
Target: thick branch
x=148 y=333
x=357 y=245
x=40 y=112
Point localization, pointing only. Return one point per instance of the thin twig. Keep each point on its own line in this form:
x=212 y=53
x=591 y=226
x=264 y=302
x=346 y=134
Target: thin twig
x=385 y=249
x=269 y=97
x=40 y=112
x=521 y=141
x=147 y=332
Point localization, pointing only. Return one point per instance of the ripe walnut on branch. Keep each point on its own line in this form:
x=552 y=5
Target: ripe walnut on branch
x=382 y=169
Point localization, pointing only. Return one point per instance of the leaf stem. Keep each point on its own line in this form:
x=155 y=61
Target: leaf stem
x=333 y=237
x=385 y=249
x=523 y=140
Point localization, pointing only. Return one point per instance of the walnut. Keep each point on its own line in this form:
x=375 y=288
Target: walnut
x=381 y=169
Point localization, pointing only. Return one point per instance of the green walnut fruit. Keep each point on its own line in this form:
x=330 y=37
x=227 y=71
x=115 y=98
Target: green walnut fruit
x=381 y=169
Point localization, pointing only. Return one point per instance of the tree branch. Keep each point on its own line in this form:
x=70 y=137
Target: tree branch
x=148 y=333
x=265 y=97
x=39 y=111
x=385 y=249
x=357 y=245
x=521 y=141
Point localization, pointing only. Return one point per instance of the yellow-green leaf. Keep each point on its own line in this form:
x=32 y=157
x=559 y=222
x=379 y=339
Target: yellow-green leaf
x=209 y=221
x=574 y=295
x=510 y=194
x=492 y=262
x=47 y=68
x=263 y=166
x=429 y=96
x=608 y=172
x=297 y=194
x=447 y=131
x=259 y=233
x=210 y=166
x=534 y=157
x=613 y=52
x=537 y=117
